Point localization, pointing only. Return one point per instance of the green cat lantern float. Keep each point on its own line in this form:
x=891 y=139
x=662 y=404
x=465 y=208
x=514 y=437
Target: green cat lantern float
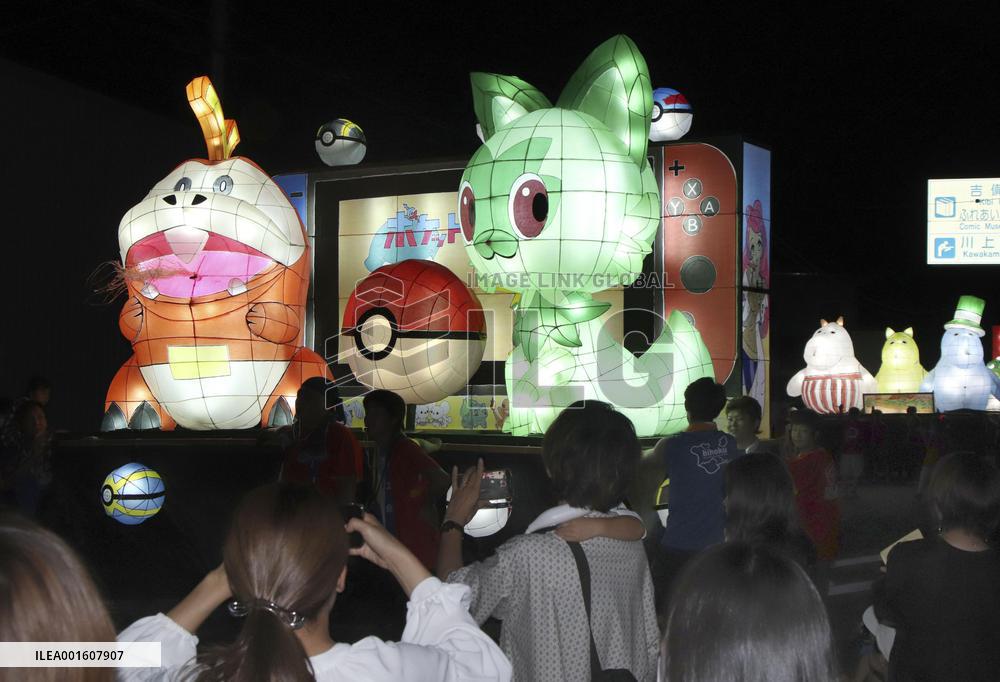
x=559 y=203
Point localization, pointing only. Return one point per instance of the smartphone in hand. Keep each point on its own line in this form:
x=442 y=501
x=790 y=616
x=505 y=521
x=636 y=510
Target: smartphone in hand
x=353 y=511
x=495 y=485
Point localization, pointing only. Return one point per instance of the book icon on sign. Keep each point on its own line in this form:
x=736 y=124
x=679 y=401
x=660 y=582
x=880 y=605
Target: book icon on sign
x=944 y=207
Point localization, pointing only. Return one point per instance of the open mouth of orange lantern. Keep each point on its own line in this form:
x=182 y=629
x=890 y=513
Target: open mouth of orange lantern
x=186 y=262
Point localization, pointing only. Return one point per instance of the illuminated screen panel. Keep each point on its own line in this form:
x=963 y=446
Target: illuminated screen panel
x=963 y=221
x=898 y=403
x=378 y=231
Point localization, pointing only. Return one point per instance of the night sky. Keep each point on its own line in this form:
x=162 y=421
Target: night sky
x=860 y=103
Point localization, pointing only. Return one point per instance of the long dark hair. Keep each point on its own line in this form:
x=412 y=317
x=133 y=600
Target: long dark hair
x=46 y=595
x=745 y=613
x=760 y=499
x=287 y=546
x=760 y=506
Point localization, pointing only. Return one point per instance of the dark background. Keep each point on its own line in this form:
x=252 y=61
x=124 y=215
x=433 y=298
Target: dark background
x=860 y=103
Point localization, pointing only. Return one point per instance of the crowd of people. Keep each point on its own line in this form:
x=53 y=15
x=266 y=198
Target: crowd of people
x=730 y=588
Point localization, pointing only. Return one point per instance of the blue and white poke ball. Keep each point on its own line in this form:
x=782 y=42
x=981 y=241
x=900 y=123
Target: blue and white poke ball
x=671 y=117
x=341 y=143
x=488 y=521
x=132 y=493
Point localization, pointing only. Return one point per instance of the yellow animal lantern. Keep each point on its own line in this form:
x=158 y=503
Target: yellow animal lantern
x=901 y=371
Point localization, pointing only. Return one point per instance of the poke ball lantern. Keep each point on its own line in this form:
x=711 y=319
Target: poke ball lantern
x=132 y=493
x=341 y=143
x=417 y=330
x=672 y=116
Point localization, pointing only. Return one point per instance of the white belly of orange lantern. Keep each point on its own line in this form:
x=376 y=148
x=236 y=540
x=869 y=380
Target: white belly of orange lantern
x=202 y=389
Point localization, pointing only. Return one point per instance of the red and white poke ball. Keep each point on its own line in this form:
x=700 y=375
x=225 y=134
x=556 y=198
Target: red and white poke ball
x=489 y=520
x=671 y=117
x=417 y=330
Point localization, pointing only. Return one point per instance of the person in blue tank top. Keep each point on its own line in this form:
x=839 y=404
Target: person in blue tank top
x=695 y=463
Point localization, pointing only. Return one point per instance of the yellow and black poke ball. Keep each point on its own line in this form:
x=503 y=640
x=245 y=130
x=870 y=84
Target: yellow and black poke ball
x=417 y=330
x=341 y=143
x=132 y=493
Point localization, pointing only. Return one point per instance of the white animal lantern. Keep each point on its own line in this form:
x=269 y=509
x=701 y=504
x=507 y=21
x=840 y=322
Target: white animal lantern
x=961 y=380
x=833 y=380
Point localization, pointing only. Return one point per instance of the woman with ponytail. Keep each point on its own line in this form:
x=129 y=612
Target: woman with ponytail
x=285 y=561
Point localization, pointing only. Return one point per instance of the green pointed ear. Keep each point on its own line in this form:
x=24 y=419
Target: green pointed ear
x=498 y=100
x=888 y=332
x=612 y=85
x=909 y=332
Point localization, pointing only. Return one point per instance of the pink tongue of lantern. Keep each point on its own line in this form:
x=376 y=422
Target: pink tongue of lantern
x=188 y=262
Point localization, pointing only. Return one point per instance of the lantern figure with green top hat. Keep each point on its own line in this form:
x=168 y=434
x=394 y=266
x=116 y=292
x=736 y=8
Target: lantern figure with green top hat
x=961 y=380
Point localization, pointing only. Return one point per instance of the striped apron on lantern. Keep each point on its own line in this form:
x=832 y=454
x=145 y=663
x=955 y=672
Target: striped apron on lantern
x=832 y=393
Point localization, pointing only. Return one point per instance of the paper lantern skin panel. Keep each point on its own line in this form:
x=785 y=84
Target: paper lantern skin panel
x=559 y=203
x=833 y=380
x=216 y=267
x=901 y=371
x=417 y=329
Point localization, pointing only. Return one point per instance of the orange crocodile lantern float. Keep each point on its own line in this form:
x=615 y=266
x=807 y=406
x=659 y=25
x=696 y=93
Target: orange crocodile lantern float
x=216 y=266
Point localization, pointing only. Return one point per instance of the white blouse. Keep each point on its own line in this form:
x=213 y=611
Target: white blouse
x=441 y=642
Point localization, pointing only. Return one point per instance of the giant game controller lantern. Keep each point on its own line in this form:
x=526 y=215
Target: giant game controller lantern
x=560 y=202
x=216 y=265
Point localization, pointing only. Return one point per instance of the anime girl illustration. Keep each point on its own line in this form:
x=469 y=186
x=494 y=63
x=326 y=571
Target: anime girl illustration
x=756 y=311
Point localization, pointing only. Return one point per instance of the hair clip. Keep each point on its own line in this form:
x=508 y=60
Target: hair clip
x=237 y=608
x=292 y=619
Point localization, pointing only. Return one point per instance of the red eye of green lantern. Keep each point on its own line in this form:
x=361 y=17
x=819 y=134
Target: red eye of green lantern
x=467 y=212
x=529 y=205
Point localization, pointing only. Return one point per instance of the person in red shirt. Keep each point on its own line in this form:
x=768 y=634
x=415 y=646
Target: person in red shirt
x=815 y=476
x=405 y=482
x=322 y=451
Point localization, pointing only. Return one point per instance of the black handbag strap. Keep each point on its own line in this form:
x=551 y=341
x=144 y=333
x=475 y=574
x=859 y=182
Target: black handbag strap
x=583 y=568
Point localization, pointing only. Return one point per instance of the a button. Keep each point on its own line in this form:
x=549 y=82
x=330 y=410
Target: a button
x=709 y=206
x=698 y=274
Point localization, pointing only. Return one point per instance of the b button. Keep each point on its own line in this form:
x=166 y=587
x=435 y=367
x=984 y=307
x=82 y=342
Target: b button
x=691 y=225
